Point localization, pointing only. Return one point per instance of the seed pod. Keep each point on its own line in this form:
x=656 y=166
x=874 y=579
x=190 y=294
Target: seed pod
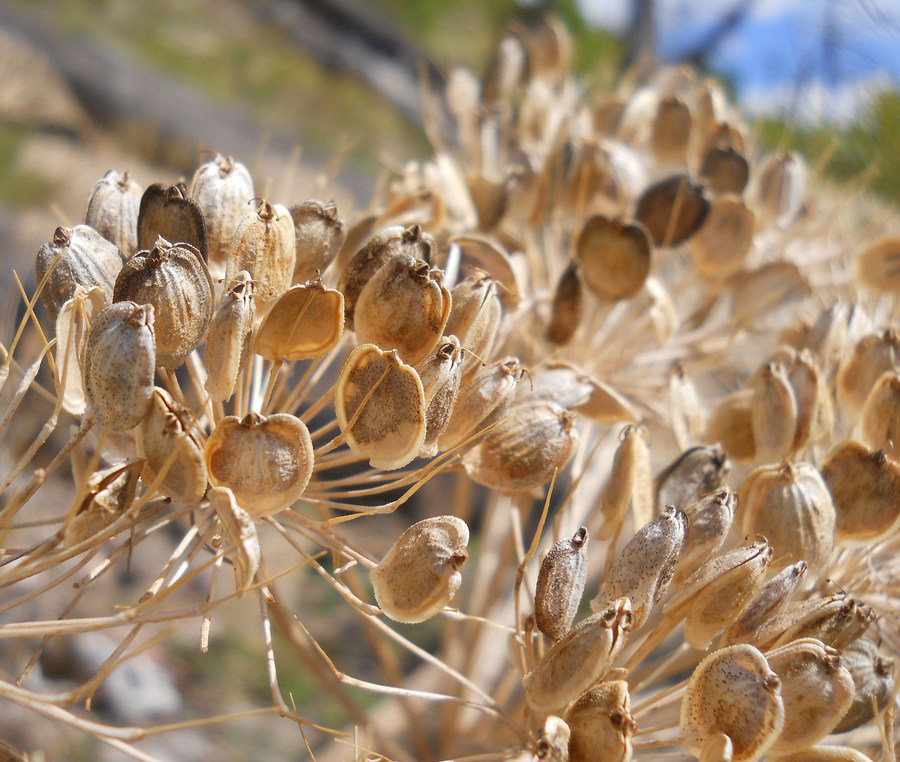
x=875 y=268
x=708 y=523
x=112 y=210
x=642 y=571
x=553 y=741
x=265 y=461
x=725 y=170
x=525 y=449
x=614 y=256
x=859 y=370
x=240 y=533
x=176 y=281
x=630 y=483
x=72 y=326
x=479 y=252
x=475 y=315
x=171 y=427
x=731 y=424
x=671 y=131
x=120 y=360
x=580 y=659
x=735 y=692
x=816 y=691
x=879 y=422
x=770 y=295
x=107 y=495
x=778 y=187
x=696 y=472
x=440 y=374
x=420 y=574
x=774 y=414
x=167 y=211
x=565 y=314
x=320 y=232
x=604 y=404
x=720 y=247
x=557 y=381
x=304 y=323
x=825 y=753
x=228 y=338
x=221 y=188
x=507 y=69
x=814 y=413
x=837 y=621
x=717 y=748
x=560 y=584
x=672 y=210
x=873 y=678
x=601 y=725
x=380 y=407
x=77 y=256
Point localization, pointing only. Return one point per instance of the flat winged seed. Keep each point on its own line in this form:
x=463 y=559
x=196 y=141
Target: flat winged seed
x=380 y=407
x=475 y=314
x=826 y=753
x=580 y=659
x=560 y=584
x=523 y=450
x=228 y=338
x=420 y=574
x=168 y=211
x=837 y=621
x=630 y=483
x=240 y=533
x=735 y=692
x=440 y=374
x=731 y=424
x=642 y=571
x=763 y=606
x=725 y=170
x=120 y=361
x=778 y=188
x=719 y=249
x=170 y=441
x=860 y=369
x=320 y=231
x=112 y=210
x=875 y=268
x=77 y=256
x=873 y=678
x=72 y=326
x=672 y=210
x=600 y=724
x=265 y=461
x=614 y=255
x=306 y=322
x=107 y=495
x=565 y=312
x=708 y=523
x=175 y=280
x=696 y=472
x=774 y=413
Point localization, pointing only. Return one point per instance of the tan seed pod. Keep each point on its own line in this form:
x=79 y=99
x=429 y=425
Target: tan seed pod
x=774 y=414
x=600 y=724
x=228 y=338
x=630 y=483
x=507 y=69
x=708 y=523
x=305 y=322
x=112 y=210
x=560 y=584
x=107 y=495
x=725 y=170
x=553 y=741
x=814 y=410
x=686 y=412
x=168 y=428
x=837 y=621
x=265 y=461
x=731 y=424
x=565 y=312
x=826 y=753
x=875 y=268
x=870 y=357
x=671 y=131
x=72 y=326
x=478 y=252
x=770 y=294
x=119 y=366
x=580 y=659
x=879 y=422
x=176 y=281
x=605 y=404
x=380 y=407
x=420 y=574
x=557 y=381
x=614 y=255
x=733 y=691
x=240 y=533
x=719 y=249
x=778 y=188
x=475 y=315
x=696 y=472
x=717 y=748
x=873 y=678
x=672 y=210
x=320 y=232
x=167 y=211
x=77 y=256
x=440 y=374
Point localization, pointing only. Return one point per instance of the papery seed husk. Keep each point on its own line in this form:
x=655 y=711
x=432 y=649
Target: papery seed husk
x=475 y=315
x=557 y=381
x=440 y=374
x=306 y=322
x=765 y=605
x=565 y=312
x=873 y=678
x=778 y=188
x=630 y=483
x=708 y=523
x=875 y=268
x=614 y=255
x=72 y=327
x=484 y=253
x=553 y=741
x=837 y=621
x=731 y=424
x=600 y=724
x=725 y=170
x=696 y=472
x=228 y=338
x=240 y=532
x=112 y=210
x=320 y=232
x=774 y=414
x=507 y=68
x=860 y=369
x=560 y=584
x=770 y=294
x=420 y=574
x=717 y=748
x=168 y=211
x=879 y=422
x=107 y=495
x=672 y=210
x=814 y=411
x=721 y=245
x=687 y=414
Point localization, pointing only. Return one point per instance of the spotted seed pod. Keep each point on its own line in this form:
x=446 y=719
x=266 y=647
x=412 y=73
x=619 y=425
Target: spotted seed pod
x=440 y=374
x=475 y=314
x=320 y=231
x=708 y=523
x=228 y=339
x=873 y=678
x=731 y=424
x=837 y=621
x=719 y=249
x=778 y=188
x=560 y=584
x=672 y=210
x=72 y=327
x=119 y=366
x=77 y=256
x=112 y=210
x=614 y=255
x=170 y=440
x=600 y=724
x=825 y=753
x=565 y=312
x=696 y=472
x=265 y=461
x=630 y=483
x=580 y=659
x=107 y=495
x=168 y=211
x=875 y=268
x=725 y=170
x=420 y=574
x=240 y=532
x=553 y=741
x=306 y=322
x=860 y=369
x=733 y=691
x=176 y=281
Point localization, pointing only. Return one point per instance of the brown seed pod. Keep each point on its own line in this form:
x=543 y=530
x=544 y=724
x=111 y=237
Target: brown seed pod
x=630 y=483
x=725 y=170
x=696 y=472
x=560 y=584
x=814 y=408
x=240 y=533
x=731 y=424
x=672 y=210
x=507 y=69
x=168 y=211
x=475 y=314
x=304 y=323
x=112 y=210
x=565 y=313
x=176 y=281
x=320 y=232
x=228 y=338
x=720 y=247
x=873 y=678
x=478 y=252
x=440 y=374
x=77 y=256
x=875 y=268
x=614 y=256
x=72 y=326
x=870 y=357
x=837 y=621
x=107 y=495
x=778 y=188
x=265 y=461
x=735 y=692
x=879 y=423
x=708 y=523
x=580 y=659
x=420 y=574
x=600 y=724
x=671 y=131
x=119 y=366
x=380 y=407
x=774 y=413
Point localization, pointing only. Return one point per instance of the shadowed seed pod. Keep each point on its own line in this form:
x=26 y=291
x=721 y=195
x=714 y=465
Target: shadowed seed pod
x=112 y=210
x=440 y=374
x=731 y=424
x=560 y=584
x=875 y=268
x=565 y=312
x=72 y=327
x=837 y=621
x=630 y=483
x=168 y=211
x=320 y=231
x=719 y=249
x=860 y=369
x=614 y=255
x=240 y=532
x=600 y=724
x=228 y=338
x=672 y=210
x=696 y=472
x=725 y=170
x=873 y=678
x=475 y=314
x=420 y=574
x=108 y=494
x=708 y=523
x=305 y=322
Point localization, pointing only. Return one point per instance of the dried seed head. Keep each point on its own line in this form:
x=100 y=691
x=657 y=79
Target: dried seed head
x=778 y=188
x=672 y=210
x=565 y=313
x=630 y=483
x=72 y=326
x=167 y=211
x=320 y=232
x=176 y=281
x=873 y=678
x=240 y=532
x=305 y=322
x=119 y=366
x=614 y=256
x=228 y=338
x=708 y=523
x=837 y=621
x=560 y=585
x=879 y=422
x=112 y=210
x=420 y=574
x=774 y=414
x=265 y=461
x=875 y=268
x=108 y=494
x=861 y=368
x=725 y=170
x=601 y=725
x=719 y=249
x=440 y=374
x=696 y=472
x=731 y=424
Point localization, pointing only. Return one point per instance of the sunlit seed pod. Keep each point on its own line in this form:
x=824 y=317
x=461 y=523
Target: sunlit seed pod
x=240 y=532
x=550 y=49
x=600 y=724
x=176 y=281
x=696 y=472
x=630 y=483
x=875 y=268
x=859 y=370
x=119 y=367
x=687 y=414
x=228 y=338
x=475 y=314
x=171 y=427
x=507 y=69
x=112 y=210
x=265 y=461
x=771 y=294
x=725 y=170
x=774 y=414
x=708 y=523
x=837 y=621
x=72 y=326
x=735 y=692
x=565 y=312
x=790 y=505
x=873 y=678
x=380 y=407
x=614 y=256
x=731 y=424
x=420 y=574
x=305 y=322
x=879 y=422
x=557 y=381
x=721 y=245
x=826 y=753
x=222 y=188
x=320 y=232
x=717 y=747
x=816 y=691
x=491 y=195
x=479 y=252
x=560 y=584
x=77 y=256
x=642 y=570
x=672 y=210
x=592 y=183
x=580 y=659
x=553 y=741
x=107 y=495
x=671 y=131
x=814 y=409
x=440 y=374
x=168 y=211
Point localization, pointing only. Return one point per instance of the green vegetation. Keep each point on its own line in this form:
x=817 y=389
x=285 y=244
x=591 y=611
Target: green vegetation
x=18 y=188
